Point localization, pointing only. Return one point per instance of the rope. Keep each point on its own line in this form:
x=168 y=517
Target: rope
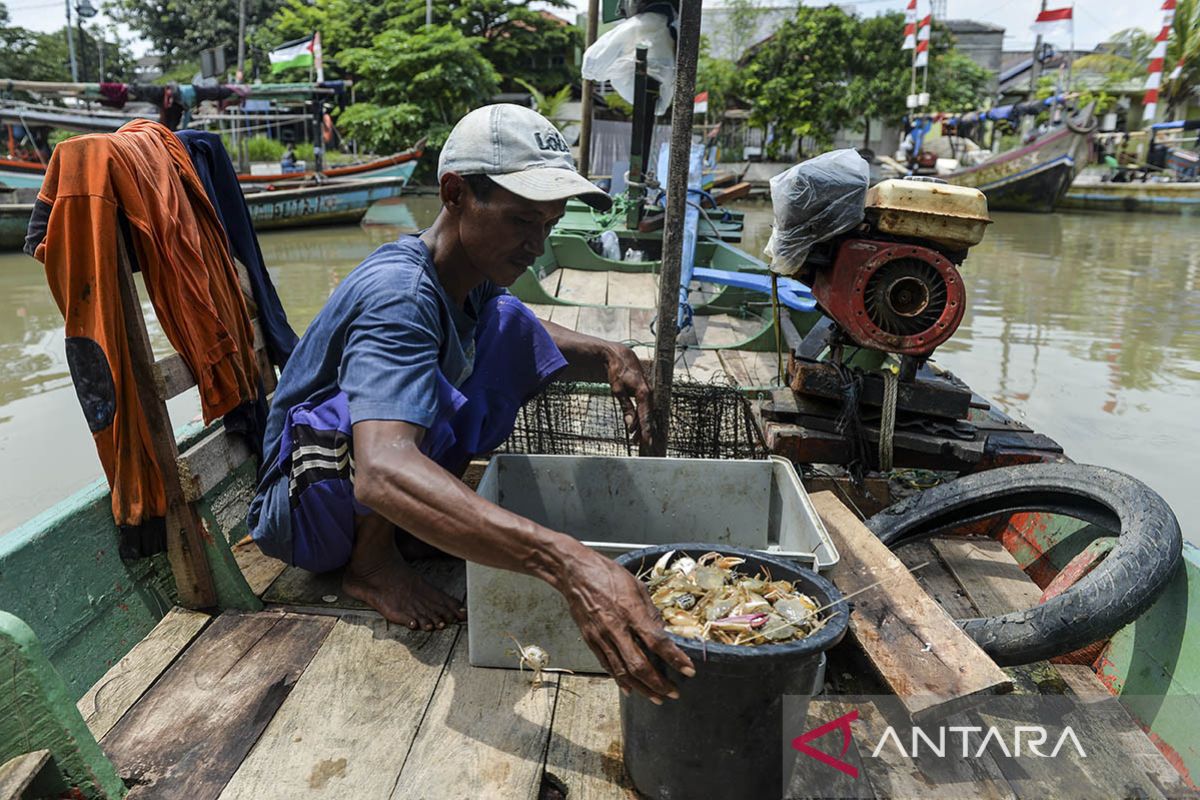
x=849 y=423
x=887 y=423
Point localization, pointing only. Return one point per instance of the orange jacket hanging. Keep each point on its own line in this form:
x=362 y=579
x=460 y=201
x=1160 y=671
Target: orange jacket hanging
x=178 y=243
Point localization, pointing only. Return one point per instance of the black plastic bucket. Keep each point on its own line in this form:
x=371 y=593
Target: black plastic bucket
x=722 y=737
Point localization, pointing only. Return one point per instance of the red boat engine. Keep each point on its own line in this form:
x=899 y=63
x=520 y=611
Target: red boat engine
x=892 y=283
x=892 y=296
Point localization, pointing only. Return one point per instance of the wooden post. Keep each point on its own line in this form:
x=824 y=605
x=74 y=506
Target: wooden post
x=677 y=183
x=185 y=536
x=585 y=122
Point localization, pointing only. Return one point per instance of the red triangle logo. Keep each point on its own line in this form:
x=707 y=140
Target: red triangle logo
x=842 y=724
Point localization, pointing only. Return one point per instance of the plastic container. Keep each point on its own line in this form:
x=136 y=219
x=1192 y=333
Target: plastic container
x=952 y=216
x=618 y=504
x=723 y=737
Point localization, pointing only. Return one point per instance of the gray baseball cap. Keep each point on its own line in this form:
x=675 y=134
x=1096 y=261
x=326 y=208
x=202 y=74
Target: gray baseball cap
x=521 y=151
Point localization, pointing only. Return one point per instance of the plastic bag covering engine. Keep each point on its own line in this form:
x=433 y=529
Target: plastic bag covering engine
x=613 y=57
x=815 y=201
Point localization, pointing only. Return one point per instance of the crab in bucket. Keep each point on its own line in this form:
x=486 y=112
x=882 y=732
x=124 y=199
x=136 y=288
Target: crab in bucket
x=711 y=600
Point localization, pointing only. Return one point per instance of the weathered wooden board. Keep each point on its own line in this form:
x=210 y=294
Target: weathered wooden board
x=637 y=289
x=188 y=733
x=1137 y=745
x=322 y=593
x=700 y=366
x=209 y=461
x=566 y=316
x=258 y=568
x=604 y=322
x=586 y=747
x=996 y=584
x=551 y=281
x=345 y=729
x=923 y=656
x=128 y=679
x=18 y=774
x=640 y=320
x=540 y=310
x=484 y=735
x=583 y=286
x=988 y=573
x=736 y=367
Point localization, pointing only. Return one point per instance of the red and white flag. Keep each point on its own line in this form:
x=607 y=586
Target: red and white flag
x=922 y=54
x=1053 y=21
x=923 y=28
x=910 y=26
x=1175 y=73
x=701 y=104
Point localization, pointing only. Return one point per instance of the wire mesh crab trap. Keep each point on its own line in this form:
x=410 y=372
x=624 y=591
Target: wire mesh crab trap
x=708 y=420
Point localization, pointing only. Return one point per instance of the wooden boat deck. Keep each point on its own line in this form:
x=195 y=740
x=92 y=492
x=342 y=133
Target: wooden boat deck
x=620 y=306
x=319 y=697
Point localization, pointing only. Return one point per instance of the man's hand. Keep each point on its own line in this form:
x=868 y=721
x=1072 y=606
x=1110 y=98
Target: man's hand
x=619 y=623
x=629 y=386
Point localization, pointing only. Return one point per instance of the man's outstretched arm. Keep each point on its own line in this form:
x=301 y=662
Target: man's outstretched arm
x=614 y=613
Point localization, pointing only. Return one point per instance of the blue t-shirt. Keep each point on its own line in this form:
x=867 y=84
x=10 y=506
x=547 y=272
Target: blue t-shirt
x=382 y=337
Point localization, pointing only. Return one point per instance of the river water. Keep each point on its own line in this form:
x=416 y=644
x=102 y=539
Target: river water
x=1083 y=326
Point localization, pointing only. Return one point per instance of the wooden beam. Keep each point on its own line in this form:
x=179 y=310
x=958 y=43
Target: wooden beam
x=922 y=655
x=209 y=461
x=585 y=750
x=126 y=681
x=172 y=376
x=185 y=535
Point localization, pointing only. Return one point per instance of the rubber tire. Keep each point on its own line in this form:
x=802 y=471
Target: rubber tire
x=1114 y=594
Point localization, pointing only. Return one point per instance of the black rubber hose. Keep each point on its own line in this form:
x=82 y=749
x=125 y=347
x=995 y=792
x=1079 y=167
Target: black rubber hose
x=1125 y=584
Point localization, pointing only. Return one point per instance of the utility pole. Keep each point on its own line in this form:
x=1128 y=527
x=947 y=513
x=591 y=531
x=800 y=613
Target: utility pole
x=71 y=46
x=428 y=13
x=585 y=123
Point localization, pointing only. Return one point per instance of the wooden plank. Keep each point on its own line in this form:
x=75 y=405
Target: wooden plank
x=640 y=320
x=764 y=367
x=209 y=461
x=731 y=360
x=551 y=281
x=188 y=734
x=701 y=366
x=128 y=679
x=258 y=568
x=635 y=289
x=483 y=735
x=347 y=725
x=300 y=589
x=172 y=376
x=185 y=538
x=1136 y=744
x=604 y=322
x=582 y=286
x=923 y=656
x=586 y=746
x=566 y=316
x=720 y=331
x=540 y=310
x=18 y=774
x=988 y=573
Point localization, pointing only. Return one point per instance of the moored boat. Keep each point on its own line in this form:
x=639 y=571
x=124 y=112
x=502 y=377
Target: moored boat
x=400 y=165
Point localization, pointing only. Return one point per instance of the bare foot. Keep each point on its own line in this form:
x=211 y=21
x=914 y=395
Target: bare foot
x=379 y=576
x=402 y=596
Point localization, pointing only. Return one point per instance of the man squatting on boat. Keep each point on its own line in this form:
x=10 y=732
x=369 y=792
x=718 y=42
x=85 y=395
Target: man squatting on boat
x=421 y=359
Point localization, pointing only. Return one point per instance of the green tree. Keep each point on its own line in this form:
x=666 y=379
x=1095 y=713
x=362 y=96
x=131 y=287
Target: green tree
x=880 y=70
x=180 y=29
x=1184 y=44
x=956 y=83
x=30 y=55
x=797 y=79
x=518 y=41
x=717 y=76
x=416 y=84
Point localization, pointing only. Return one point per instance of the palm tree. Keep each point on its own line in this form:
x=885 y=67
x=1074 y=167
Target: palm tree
x=1184 y=46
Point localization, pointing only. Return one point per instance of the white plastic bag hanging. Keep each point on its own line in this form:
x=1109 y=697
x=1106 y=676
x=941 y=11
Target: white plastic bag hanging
x=814 y=201
x=613 y=57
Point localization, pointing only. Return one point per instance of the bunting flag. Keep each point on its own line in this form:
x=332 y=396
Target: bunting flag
x=922 y=54
x=923 y=28
x=1053 y=21
x=700 y=103
x=1157 y=57
x=910 y=26
x=1175 y=73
